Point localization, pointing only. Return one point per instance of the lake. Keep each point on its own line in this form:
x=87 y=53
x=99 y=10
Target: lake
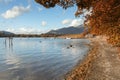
x=39 y=58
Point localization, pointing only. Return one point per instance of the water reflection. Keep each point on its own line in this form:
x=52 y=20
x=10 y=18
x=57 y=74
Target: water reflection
x=30 y=59
x=9 y=42
x=11 y=59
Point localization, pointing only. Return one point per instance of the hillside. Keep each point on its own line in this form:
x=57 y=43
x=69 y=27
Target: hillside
x=68 y=30
x=6 y=33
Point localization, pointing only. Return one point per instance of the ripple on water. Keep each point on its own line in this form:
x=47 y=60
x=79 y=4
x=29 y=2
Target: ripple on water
x=29 y=59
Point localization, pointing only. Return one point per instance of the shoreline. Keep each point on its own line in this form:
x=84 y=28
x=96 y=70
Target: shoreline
x=80 y=70
x=95 y=65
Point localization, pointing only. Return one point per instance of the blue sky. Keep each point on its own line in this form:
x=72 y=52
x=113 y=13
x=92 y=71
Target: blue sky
x=26 y=16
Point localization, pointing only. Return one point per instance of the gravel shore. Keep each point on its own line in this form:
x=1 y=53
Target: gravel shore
x=101 y=63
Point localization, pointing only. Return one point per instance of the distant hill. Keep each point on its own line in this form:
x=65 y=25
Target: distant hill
x=68 y=30
x=6 y=33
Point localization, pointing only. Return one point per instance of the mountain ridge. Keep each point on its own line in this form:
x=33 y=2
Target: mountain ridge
x=6 y=33
x=68 y=30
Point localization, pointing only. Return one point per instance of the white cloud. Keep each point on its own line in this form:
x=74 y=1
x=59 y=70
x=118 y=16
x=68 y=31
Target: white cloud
x=66 y=21
x=24 y=30
x=74 y=22
x=43 y=23
x=77 y=22
x=10 y=30
x=15 y=11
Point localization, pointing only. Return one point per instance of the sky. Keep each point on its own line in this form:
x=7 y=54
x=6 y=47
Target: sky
x=27 y=16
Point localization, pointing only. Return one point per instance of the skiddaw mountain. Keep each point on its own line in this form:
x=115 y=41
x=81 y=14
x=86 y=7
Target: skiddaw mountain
x=68 y=30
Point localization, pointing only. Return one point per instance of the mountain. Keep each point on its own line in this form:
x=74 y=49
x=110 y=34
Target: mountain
x=6 y=33
x=68 y=30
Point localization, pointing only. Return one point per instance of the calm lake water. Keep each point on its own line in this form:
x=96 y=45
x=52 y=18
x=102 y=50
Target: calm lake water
x=39 y=58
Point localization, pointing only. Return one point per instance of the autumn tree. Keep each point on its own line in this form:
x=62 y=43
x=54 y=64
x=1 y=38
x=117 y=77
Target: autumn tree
x=104 y=18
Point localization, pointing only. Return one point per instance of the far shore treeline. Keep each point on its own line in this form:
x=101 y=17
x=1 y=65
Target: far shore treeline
x=30 y=35
x=103 y=20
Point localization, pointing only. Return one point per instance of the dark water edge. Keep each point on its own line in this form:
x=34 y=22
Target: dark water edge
x=39 y=58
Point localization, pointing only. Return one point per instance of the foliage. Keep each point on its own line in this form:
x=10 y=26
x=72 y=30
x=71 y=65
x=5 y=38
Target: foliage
x=104 y=18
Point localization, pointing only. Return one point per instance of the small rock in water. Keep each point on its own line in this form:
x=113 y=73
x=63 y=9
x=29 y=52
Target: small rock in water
x=68 y=47
x=71 y=45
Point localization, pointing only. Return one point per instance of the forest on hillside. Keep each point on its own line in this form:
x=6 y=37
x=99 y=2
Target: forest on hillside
x=103 y=20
